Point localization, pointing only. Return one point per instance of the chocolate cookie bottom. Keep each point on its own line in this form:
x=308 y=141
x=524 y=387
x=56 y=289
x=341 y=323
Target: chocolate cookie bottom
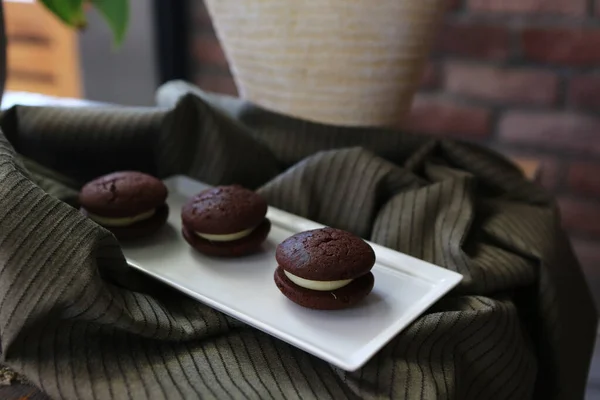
x=139 y=229
x=344 y=297
x=234 y=248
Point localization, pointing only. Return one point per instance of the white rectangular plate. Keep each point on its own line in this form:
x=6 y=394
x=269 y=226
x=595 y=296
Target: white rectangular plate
x=244 y=288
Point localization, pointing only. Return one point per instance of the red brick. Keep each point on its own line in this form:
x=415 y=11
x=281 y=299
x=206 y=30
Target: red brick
x=430 y=78
x=560 y=7
x=580 y=215
x=200 y=18
x=436 y=116
x=560 y=130
x=588 y=252
x=474 y=40
x=201 y=15
x=584 y=92
x=453 y=4
x=571 y=47
x=217 y=83
x=549 y=171
x=584 y=178
x=549 y=167
x=513 y=85
x=208 y=50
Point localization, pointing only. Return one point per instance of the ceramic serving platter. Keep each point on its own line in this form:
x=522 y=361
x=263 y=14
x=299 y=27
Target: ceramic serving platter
x=244 y=288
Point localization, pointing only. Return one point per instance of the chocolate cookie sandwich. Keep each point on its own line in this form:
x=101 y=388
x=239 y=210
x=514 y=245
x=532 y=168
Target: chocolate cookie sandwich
x=128 y=203
x=226 y=221
x=325 y=269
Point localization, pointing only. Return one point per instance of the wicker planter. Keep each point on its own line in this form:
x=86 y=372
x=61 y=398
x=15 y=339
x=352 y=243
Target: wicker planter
x=342 y=62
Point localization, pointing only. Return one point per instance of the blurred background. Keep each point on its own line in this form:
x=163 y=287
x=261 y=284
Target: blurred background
x=522 y=76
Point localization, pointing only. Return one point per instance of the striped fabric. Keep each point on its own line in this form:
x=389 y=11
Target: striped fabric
x=80 y=324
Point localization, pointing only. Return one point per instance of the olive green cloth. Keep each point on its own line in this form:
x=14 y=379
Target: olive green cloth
x=80 y=324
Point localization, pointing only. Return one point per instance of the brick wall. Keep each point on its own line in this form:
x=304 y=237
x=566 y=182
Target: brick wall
x=520 y=75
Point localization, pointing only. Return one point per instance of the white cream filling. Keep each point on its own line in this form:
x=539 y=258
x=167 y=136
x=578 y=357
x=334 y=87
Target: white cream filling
x=225 y=238
x=121 y=222
x=323 y=286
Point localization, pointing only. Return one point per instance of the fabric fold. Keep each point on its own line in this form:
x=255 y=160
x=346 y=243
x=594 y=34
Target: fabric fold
x=80 y=324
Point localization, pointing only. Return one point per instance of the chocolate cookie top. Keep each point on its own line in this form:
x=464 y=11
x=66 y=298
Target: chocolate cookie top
x=122 y=194
x=326 y=254
x=223 y=210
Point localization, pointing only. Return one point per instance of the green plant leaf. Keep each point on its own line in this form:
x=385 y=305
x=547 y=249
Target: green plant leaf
x=68 y=11
x=116 y=14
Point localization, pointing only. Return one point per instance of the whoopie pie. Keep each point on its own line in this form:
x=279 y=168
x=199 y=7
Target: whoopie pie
x=325 y=269
x=130 y=204
x=226 y=221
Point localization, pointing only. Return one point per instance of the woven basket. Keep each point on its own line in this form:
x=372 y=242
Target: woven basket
x=342 y=62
